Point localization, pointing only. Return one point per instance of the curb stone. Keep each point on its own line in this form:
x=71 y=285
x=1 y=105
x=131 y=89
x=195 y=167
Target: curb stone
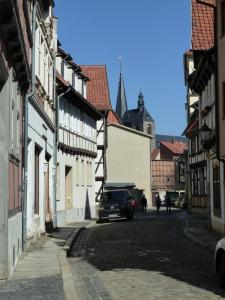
x=72 y=239
x=192 y=237
x=68 y=285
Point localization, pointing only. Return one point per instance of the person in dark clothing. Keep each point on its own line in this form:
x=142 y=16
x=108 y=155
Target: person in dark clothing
x=158 y=202
x=168 y=204
x=144 y=203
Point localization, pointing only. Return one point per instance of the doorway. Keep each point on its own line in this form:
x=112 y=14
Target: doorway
x=68 y=189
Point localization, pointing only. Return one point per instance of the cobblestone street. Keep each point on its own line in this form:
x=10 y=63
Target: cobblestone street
x=148 y=258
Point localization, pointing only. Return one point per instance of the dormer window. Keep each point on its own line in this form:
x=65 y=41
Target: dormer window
x=73 y=79
x=62 y=68
x=82 y=87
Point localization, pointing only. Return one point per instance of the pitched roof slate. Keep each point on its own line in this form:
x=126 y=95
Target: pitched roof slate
x=97 y=87
x=202 y=25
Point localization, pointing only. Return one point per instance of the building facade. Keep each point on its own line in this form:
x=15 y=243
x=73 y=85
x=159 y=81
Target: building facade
x=164 y=165
x=40 y=170
x=98 y=95
x=219 y=220
x=15 y=59
x=76 y=143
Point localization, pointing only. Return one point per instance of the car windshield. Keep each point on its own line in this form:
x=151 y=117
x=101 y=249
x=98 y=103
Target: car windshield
x=116 y=196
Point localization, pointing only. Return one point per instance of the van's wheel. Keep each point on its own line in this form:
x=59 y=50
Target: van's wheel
x=222 y=269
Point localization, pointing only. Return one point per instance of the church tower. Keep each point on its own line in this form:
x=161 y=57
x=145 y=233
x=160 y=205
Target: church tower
x=140 y=119
x=121 y=104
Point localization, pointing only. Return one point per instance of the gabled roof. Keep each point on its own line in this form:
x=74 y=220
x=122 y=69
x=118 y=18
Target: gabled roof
x=156 y=154
x=202 y=25
x=72 y=95
x=192 y=127
x=175 y=147
x=113 y=118
x=97 y=87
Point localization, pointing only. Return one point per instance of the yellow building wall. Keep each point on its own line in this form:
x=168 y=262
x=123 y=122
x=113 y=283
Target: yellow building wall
x=128 y=158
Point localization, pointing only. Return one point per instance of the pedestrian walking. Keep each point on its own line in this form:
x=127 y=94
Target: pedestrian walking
x=144 y=203
x=133 y=204
x=158 y=202
x=168 y=204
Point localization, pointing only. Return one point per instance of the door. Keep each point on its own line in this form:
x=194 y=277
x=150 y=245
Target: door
x=68 y=189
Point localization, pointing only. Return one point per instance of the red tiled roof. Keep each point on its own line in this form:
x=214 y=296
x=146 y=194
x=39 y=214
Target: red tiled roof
x=202 y=25
x=175 y=147
x=155 y=154
x=191 y=127
x=113 y=118
x=97 y=87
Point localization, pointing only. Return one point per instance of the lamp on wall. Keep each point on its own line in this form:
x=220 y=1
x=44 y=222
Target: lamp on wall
x=205 y=136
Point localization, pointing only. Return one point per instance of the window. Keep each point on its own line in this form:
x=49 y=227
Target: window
x=73 y=80
x=223 y=95
x=222 y=17
x=36 y=180
x=77 y=172
x=66 y=114
x=14 y=199
x=149 y=129
x=216 y=188
x=50 y=78
x=62 y=68
x=82 y=87
x=14 y=117
x=195 y=183
x=202 y=181
x=61 y=112
x=82 y=172
x=193 y=145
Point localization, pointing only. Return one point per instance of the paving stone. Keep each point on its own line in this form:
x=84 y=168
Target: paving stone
x=149 y=258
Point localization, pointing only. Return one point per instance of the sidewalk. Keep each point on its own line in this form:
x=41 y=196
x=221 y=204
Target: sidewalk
x=43 y=271
x=197 y=230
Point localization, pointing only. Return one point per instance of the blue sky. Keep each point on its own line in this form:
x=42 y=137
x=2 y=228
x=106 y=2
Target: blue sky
x=151 y=37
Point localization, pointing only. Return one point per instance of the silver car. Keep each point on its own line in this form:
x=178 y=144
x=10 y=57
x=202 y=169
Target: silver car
x=219 y=260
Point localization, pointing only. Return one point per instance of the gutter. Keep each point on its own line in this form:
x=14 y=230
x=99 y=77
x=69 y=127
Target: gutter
x=28 y=96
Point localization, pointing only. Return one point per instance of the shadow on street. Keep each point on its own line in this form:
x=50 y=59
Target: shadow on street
x=154 y=243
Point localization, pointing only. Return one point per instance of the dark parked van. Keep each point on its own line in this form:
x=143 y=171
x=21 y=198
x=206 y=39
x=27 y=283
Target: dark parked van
x=115 y=204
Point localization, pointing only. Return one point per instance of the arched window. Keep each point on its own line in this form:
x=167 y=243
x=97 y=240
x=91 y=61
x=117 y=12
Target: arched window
x=149 y=129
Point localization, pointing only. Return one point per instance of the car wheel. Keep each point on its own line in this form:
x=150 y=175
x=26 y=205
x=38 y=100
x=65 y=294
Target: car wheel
x=221 y=264
x=129 y=217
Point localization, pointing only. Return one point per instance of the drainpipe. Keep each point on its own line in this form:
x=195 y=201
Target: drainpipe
x=56 y=143
x=28 y=96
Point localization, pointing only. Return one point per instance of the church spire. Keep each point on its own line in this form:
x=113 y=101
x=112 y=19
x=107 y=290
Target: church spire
x=121 y=104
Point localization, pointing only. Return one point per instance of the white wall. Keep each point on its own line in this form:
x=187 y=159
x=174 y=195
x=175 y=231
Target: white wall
x=83 y=184
x=14 y=240
x=36 y=223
